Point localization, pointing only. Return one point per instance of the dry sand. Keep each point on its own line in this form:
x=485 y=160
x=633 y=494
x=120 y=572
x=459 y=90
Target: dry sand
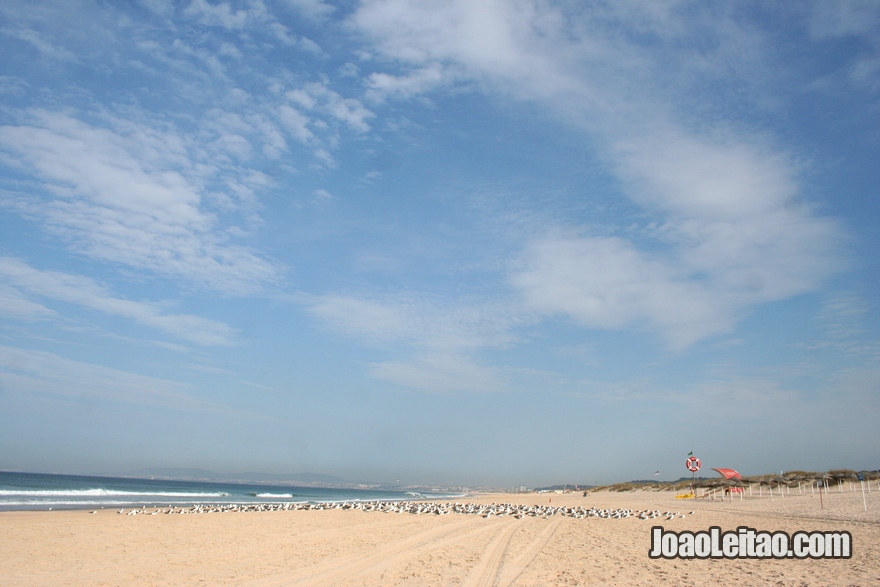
x=349 y=547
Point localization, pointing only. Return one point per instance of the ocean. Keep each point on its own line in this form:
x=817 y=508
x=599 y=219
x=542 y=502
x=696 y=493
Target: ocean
x=39 y=491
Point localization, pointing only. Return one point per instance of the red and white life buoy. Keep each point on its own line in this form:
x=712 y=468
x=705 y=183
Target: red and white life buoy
x=693 y=464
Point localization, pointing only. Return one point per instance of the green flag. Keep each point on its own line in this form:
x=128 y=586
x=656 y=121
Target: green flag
x=690 y=454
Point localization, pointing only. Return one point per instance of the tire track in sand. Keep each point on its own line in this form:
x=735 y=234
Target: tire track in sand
x=486 y=571
x=518 y=565
x=345 y=569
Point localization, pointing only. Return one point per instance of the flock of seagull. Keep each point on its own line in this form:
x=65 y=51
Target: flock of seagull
x=422 y=508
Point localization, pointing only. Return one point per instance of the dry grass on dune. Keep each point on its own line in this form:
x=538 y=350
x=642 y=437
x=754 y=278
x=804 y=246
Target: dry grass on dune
x=786 y=478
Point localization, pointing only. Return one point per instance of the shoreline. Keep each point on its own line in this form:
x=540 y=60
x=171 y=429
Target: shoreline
x=39 y=491
x=336 y=546
x=109 y=506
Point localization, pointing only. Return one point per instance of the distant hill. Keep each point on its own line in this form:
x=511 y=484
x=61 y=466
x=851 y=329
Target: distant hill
x=190 y=474
x=571 y=486
x=172 y=473
x=650 y=481
x=583 y=486
x=297 y=477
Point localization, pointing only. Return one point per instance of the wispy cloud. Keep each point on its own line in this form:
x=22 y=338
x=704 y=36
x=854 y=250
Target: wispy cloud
x=44 y=46
x=36 y=372
x=382 y=86
x=223 y=14
x=319 y=97
x=731 y=234
x=16 y=305
x=607 y=283
x=315 y=9
x=854 y=20
x=321 y=196
x=132 y=196
x=440 y=373
x=843 y=321
x=21 y=278
x=435 y=342
x=846 y=18
x=730 y=229
x=419 y=320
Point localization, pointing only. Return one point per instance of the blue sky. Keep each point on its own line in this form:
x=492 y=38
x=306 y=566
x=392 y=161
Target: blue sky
x=465 y=242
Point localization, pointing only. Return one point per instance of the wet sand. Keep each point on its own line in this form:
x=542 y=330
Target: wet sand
x=352 y=547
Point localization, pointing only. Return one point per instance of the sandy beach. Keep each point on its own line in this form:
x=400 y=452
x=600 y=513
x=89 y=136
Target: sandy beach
x=352 y=547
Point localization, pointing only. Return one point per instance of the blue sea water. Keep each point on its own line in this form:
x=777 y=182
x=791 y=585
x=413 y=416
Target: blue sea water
x=39 y=491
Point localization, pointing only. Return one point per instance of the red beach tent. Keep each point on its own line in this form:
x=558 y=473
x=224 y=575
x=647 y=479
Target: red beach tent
x=728 y=473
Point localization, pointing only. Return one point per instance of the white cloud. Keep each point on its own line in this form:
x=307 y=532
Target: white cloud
x=417 y=320
x=382 y=86
x=160 y=7
x=842 y=18
x=325 y=158
x=315 y=9
x=131 y=195
x=371 y=176
x=854 y=20
x=221 y=14
x=282 y=33
x=349 y=70
x=731 y=229
x=46 y=48
x=36 y=372
x=14 y=304
x=439 y=373
x=317 y=96
x=235 y=145
x=75 y=289
x=314 y=114
x=732 y=236
x=361 y=318
x=842 y=320
x=725 y=179
x=12 y=86
x=606 y=283
x=321 y=196
x=445 y=337
x=516 y=41
x=296 y=123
